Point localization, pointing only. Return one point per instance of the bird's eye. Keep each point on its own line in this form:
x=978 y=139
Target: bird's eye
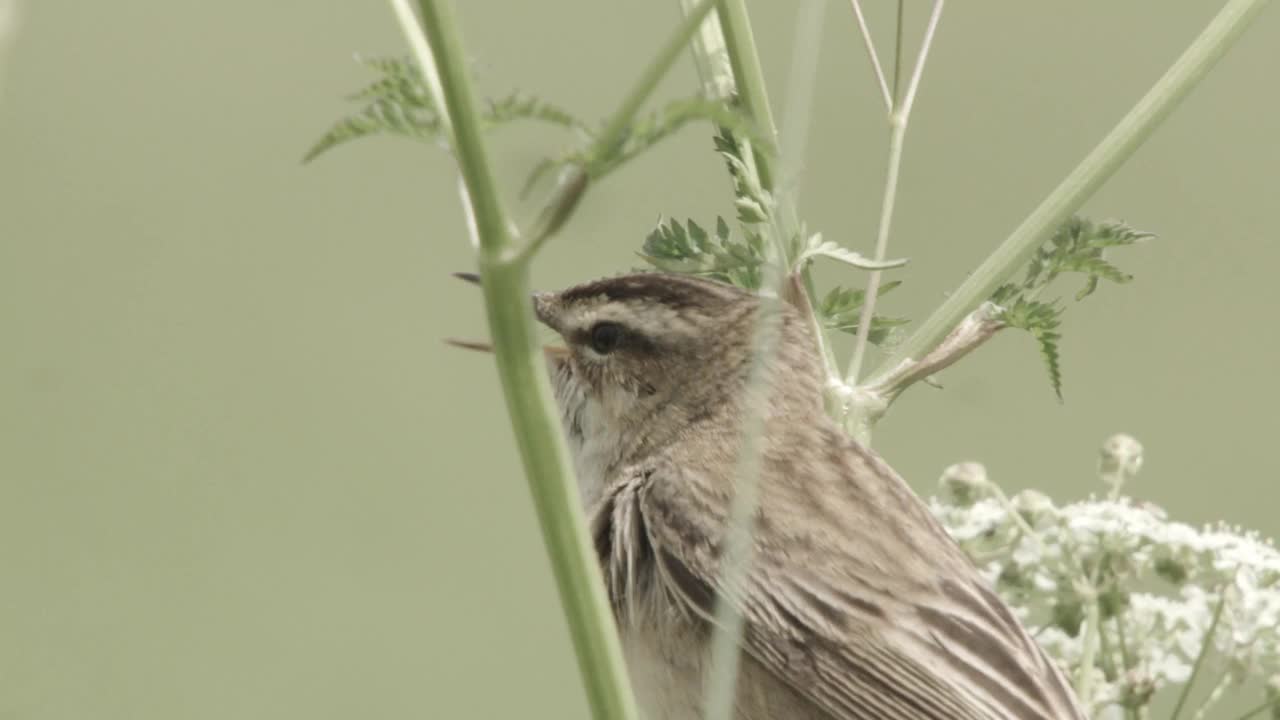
x=605 y=337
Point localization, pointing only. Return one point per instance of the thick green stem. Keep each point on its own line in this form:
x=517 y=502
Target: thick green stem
x=1080 y=185
x=524 y=380
x=729 y=67
x=748 y=76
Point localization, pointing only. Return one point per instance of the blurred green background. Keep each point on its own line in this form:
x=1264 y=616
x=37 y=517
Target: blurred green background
x=240 y=475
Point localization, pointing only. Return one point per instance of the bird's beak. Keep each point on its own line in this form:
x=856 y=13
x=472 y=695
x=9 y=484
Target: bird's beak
x=553 y=353
x=542 y=307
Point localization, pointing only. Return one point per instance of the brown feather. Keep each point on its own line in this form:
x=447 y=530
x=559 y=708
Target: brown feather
x=857 y=604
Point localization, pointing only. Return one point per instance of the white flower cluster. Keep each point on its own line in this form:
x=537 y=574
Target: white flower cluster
x=1146 y=603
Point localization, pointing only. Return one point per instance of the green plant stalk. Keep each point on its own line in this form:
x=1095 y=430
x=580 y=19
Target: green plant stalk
x=897 y=52
x=569 y=191
x=1214 y=697
x=739 y=550
x=730 y=31
x=743 y=77
x=1099 y=165
x=890 y=97
x=1127 y=659
x=899 y=115
x=1084 y=678
x=525 y=384
x=1205 y=646
x=1106 y=652
x=1255 y=710
x=616 y=129
x=897 y=136
x=748 y=76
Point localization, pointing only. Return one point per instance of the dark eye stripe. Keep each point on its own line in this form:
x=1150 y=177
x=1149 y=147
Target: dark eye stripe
x=627 y=339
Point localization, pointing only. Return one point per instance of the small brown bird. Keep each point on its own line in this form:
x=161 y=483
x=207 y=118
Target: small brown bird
x=857 y=604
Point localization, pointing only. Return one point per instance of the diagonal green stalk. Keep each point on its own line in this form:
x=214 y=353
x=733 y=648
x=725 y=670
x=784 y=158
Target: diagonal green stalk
x=523 y=375
x=1258 y=709
x=899 y=116
x=1205 y=646
x=729 y=67
x=571 y=188
x=748 y=77
x=1099 y=165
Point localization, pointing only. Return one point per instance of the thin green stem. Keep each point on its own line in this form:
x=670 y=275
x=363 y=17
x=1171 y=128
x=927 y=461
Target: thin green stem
x=569 y=191
x=1205 y=647
x=748 y=75
x=897 y=52
x=747 y=79
x=738 y=553
x=616 y=129
x=1125 y=656
x=729 y=67
x=1213 y=698
x=1084 y=676
x=897 y=135
x=899 y=116
x=1126 y=659
x=523 y=375
x=1088 y=176
x=1106 y=653
x=888 y=95
x=1258 y=709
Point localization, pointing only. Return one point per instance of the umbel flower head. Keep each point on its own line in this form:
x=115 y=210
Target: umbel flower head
x=1132 y=603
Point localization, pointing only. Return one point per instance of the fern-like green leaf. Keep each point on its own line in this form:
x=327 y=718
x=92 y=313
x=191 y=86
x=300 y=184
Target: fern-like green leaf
x=382 y=116
x=1094 y=266
x=1042 y=320
x=399 y=103
x=753 y=203
x=646 y=133
x=666 y=121
x=522 y=106
x=841 y=308
x=1114 y=233
x=1078 y=246
x=688 y=248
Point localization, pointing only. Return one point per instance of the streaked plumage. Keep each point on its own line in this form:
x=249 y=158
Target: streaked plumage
x=858 y=606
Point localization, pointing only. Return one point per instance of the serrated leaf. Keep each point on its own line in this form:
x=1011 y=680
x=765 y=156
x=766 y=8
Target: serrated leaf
x=841 y=309
x=722 y=229
x=660 y=124
x=1113 y=233
x=522 y=106
x=750 y=211
x=380 y=117
x=817 y=247
x=399 y=103
x=1095 y=267
x=1089 y=286
x=688 y=248
x=1005 y=294
x=1041 y=319
x=1049 y=351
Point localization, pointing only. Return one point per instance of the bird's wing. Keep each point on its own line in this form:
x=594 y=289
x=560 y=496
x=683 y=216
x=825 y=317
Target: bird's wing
x=855 y=596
